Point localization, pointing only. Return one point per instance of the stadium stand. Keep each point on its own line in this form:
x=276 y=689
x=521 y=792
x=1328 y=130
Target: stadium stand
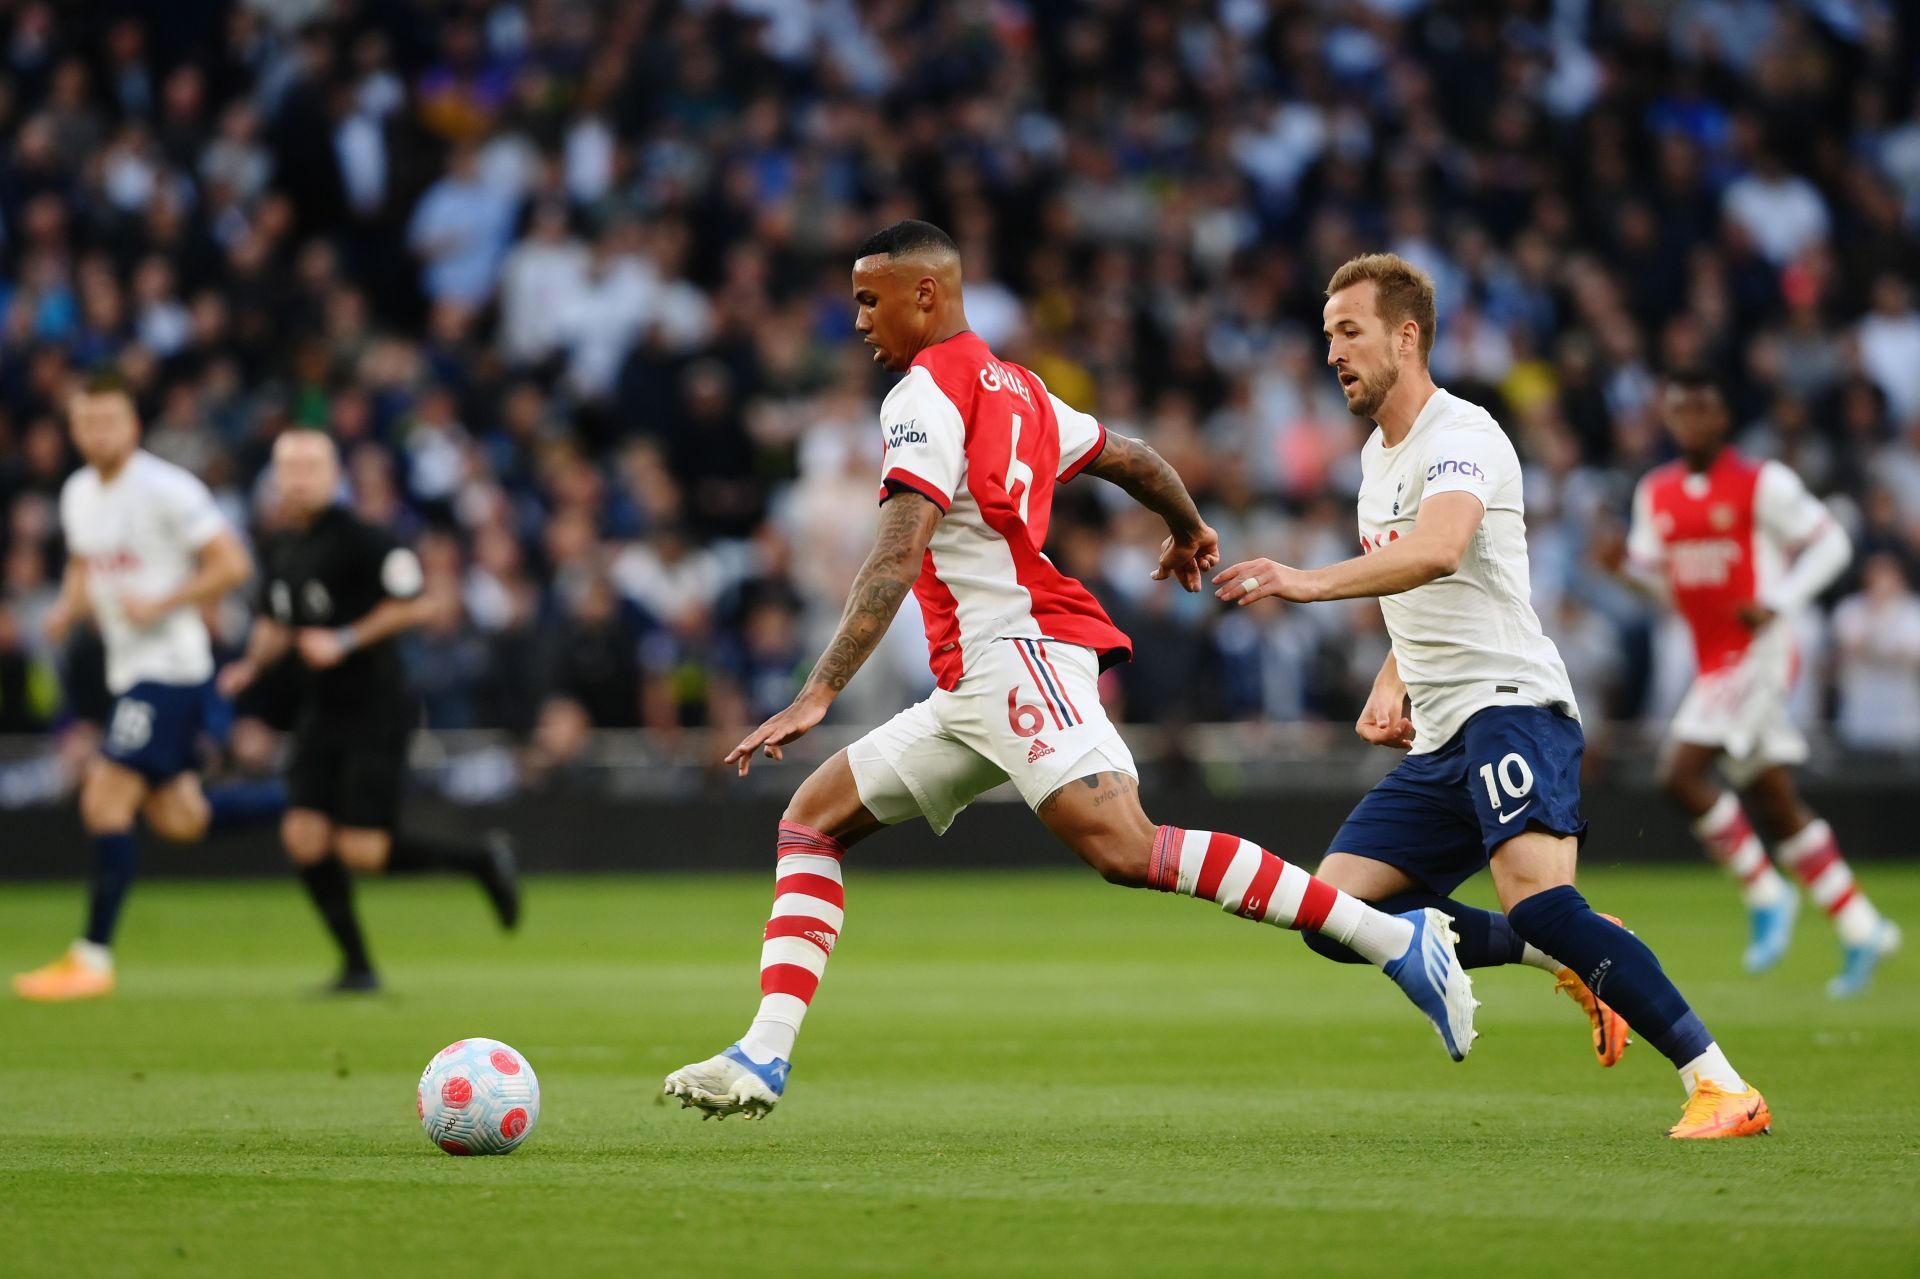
x=568 y=283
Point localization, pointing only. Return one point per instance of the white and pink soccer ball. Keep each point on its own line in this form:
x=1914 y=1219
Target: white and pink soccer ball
x=478 y=1097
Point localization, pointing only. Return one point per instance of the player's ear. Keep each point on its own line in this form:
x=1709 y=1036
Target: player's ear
x=925 y=292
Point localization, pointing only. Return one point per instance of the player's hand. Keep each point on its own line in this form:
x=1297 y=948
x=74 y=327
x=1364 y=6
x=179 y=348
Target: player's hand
x=143 y=612
x=1755 y=616
x=59 y=624
x=320 y=648
x=777 y=732
x=1251 y=580
x=234 y=678
x=1383 y=721
x=1184 y=556
x=1609 y=548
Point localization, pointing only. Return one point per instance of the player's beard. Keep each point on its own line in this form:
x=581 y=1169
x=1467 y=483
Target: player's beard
x=1373 y=393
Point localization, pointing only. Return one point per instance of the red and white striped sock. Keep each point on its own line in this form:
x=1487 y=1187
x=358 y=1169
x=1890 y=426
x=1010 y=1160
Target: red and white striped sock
x=1247 y=880
x=1728 y=837
x=809 y=905
x=1815 y=857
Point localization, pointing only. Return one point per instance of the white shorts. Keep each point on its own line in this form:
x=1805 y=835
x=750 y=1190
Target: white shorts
x=1029 y=710
x=1743 y=711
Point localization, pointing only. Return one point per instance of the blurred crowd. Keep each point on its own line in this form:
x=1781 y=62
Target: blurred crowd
x=568 y=283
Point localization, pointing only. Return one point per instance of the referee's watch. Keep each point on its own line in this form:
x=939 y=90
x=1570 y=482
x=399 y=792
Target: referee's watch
x=347 y=640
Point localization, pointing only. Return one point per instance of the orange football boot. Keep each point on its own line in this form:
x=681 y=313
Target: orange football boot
x=66 y=978
x=1712 y=1111
x=1610 y=1038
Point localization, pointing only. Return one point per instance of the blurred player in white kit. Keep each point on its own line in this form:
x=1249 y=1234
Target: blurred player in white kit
x=147 y=549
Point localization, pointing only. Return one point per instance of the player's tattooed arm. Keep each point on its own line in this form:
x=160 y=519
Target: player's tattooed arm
x=1146 y=477
x=906 y=527
x=907 y=522
x=1191 y=548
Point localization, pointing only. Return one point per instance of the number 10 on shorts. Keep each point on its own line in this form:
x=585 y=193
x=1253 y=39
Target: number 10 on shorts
x=1515 y=779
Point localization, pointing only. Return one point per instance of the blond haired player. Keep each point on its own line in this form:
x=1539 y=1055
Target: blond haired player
x=1492 y=775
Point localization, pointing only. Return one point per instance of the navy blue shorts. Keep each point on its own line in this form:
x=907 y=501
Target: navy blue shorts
x=1439 y=816
x=155 y=729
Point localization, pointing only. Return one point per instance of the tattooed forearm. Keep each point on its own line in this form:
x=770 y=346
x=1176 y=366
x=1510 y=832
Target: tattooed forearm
x=1146 y=477
x=906 y=526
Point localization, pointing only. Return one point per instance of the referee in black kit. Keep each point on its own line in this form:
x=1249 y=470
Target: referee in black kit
x=336 y=591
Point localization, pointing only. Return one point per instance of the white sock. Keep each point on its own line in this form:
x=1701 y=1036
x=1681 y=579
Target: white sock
x=766 y=1040
x=1857 y=922
x=1374 y=935
x=809 y=907
x=96 y=957
x=1711 y=1065
x=1245 y=879
x=1534 y=957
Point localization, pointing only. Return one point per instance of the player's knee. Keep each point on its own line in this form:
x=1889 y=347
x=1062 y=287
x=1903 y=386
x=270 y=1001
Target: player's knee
x=107 y=807
x=829 y=802
x=179 y=818
x=363 y=851
x=305 y=837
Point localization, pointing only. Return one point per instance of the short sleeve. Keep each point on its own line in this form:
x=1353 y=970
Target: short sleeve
x=70 y=508
x=191 y=509
x=1784 y=507
x=1081 y=438
x=1645 y=547
x=401 y=576
x=925 y=441
x=1465 y=460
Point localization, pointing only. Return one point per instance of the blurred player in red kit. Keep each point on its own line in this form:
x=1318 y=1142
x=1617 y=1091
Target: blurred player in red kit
x=1740 y=546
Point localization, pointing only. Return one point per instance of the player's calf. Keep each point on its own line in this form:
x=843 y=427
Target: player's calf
x=1100 y=819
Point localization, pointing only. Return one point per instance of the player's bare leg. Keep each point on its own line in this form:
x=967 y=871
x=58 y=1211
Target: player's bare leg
x=824 y=819
x=1533 y=873
x=110 y=800
x=1807 y=846
x=1688 y=775
x=178 y=811
x=1487 y=939
x=1100 y=818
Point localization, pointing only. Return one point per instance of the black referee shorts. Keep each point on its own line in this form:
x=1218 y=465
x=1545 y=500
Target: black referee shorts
x=354 y=776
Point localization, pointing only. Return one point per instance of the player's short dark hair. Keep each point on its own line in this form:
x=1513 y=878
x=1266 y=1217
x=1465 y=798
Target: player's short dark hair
x=1698 y=377
x=907 y=237
x=106 y=379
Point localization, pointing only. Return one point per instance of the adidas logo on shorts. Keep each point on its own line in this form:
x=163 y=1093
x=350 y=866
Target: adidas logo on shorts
x=1039 y=750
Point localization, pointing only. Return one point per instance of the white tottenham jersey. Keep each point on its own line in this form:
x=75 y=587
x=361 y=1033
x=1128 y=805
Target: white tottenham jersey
x=141 y=535
x=1471 y=639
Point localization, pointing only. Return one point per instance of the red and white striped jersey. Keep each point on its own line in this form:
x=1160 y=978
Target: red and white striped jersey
x=1723 y=538
x=985 y=441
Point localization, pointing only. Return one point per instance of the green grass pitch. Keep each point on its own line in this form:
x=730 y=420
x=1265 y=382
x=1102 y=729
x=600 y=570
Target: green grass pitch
x=1024 y=1074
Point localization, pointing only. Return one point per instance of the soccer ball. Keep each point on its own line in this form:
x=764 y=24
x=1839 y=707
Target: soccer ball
x=478 y=1097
